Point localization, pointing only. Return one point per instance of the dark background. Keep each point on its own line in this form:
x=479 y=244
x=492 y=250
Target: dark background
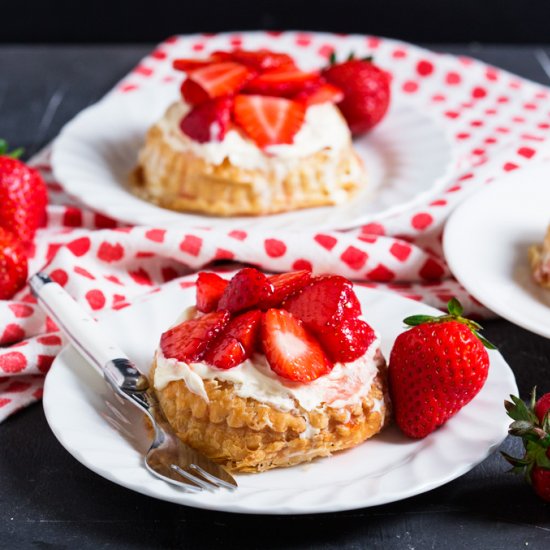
x=485 y=21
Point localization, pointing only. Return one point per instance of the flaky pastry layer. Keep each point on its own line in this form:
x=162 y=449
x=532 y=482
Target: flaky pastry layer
x=246 y=435
x=183 y=181
x=539 y=258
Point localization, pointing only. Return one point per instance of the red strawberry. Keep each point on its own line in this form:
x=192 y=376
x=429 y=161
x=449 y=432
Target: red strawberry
x=540 y=479
x=237 y=342
x=291 y=351
x=436 y=368
x=284 y=284
x=185 y=65
x=269 y=120
x=208 y=121
x=324 y=303
x=347 y=341
x=188 y=340
x=192 y=93
x=282 y=84
x=261 y=60
x=221 y=79
x=210 y=288
x=323 y=93
x=532 y=424
x=366 y=92
x=542 y=406
x=13 y=265
x=23 y=197
x=245 y=290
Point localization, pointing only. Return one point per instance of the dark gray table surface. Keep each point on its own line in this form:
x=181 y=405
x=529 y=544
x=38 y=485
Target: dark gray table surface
x=49 y=500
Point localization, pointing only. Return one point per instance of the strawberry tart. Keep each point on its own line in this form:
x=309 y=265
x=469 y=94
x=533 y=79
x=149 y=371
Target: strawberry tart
x=539 y=257
x=267 y=372
x=252 y=134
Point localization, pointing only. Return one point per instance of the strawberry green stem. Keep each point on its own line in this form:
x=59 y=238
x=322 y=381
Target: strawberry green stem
x=15 y=154
x=455 y=310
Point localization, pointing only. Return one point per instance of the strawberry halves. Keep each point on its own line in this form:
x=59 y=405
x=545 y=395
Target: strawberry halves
x=208 y=121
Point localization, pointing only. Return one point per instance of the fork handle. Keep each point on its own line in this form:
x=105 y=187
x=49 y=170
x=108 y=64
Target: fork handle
x=86 y=336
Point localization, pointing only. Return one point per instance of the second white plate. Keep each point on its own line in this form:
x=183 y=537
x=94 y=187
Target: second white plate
x=408 y=157
x=486 y=241
x=387 y=468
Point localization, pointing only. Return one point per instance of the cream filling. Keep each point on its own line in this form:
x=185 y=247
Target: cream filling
x=346 y=384
x=323 y=129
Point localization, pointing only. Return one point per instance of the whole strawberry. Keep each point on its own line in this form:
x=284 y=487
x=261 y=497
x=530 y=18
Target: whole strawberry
x=23 y=196
x=436 y=368
x=366 y=90
x=532 y=424
x=13 y=265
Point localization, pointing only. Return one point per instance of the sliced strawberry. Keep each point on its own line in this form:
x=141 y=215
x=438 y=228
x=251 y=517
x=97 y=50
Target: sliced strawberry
x=245 y=290
x=185 y=65
x=210 y=288
x=237 y=342
x=291 y=351
x=325 y=302
x=261 y=60
x=221 y=79
x=323 y=93
x=269 y=120
x=208 y=121
x=192 y=93
x=284 y=284
x=282 y=84
x=188 y=340
x=348 y=341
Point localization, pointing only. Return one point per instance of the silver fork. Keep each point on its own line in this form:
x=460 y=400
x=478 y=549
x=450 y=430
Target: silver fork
x=168 y=458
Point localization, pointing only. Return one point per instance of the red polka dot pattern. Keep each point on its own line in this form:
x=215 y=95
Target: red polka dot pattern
x=354 y=258
x=12 y=362
x=156 y=235
x=421 y=221
x=108 y=252
x=326 y=241
x=191 y=245
x=495 y=121
x=274 y=248
x=96 y=299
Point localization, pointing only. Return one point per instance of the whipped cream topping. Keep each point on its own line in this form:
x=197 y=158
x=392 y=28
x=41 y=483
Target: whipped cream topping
x=323 y=129
x=346 y=384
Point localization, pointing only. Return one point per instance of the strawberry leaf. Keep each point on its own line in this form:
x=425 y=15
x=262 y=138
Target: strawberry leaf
x=455 y=314
x=517 y=462
x=15 y=154
x=455 y=307
x=485 y=342
x=517 y=409
x=415 y=320
x=533 y=398
x=538 y=455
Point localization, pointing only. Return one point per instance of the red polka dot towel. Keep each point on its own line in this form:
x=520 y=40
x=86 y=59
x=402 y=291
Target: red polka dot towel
x=498 y=123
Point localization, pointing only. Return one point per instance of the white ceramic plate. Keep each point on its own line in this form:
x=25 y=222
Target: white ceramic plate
x=408 y=156
x=486 y=241
x=386 y=468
